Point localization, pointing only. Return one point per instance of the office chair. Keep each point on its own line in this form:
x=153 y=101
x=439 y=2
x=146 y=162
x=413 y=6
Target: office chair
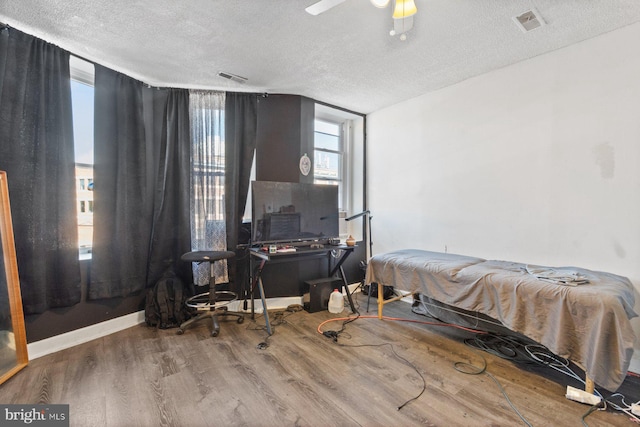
x=211 y=304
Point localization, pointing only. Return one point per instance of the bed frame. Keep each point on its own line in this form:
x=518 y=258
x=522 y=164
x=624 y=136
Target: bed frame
x=578 y=314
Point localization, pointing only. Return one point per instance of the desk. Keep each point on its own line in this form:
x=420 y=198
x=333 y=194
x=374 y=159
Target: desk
x=302 y=252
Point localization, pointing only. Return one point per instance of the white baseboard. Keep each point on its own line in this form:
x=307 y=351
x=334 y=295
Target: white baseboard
x=277 y=303
x=272 y=303
x=80 y=336
x=353 y=287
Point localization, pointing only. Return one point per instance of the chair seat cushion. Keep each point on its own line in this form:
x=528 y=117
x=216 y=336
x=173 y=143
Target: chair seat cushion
x=207 y=256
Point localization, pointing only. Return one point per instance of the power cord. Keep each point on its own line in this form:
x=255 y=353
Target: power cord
x=506 y=347
x=279 y=318
x=470 y=369
x=335 y=334
x=475 y=370
x=599 y=405
x=623 y=406
x=536 y=353
x=403 y=359
x=331 y=334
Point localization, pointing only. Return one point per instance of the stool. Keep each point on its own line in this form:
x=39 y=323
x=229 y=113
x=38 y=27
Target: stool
x=213 y=303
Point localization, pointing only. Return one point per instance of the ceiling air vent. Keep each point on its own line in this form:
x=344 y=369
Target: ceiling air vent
x=233 y=77
x=529 y=20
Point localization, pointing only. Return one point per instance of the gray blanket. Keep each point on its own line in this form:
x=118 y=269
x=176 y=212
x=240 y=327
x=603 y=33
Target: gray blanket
x=578 y=314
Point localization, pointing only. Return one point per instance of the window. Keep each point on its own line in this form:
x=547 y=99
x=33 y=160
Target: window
x=82 y=74
x=328 y=156
x=339 y=160
x=330 y=165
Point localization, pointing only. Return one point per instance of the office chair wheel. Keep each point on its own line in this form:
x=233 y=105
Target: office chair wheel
x=180 y=331
x=240 y=319
x=214 y=333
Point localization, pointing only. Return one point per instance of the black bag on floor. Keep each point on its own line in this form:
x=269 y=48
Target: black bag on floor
x=387 y=291
x=165 y=305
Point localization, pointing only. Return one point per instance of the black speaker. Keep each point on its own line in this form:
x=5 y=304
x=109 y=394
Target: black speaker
x=317 y=292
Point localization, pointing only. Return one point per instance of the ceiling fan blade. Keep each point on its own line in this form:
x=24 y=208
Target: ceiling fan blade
x=322 y=6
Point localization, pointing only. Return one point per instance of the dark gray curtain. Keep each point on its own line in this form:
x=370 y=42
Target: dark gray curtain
x=122 y=221
x=168 y=124
x=141 y=178
x=37 y=152
x=241 y=117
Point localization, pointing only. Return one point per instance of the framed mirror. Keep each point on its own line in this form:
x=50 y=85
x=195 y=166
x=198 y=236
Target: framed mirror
x=13 y=339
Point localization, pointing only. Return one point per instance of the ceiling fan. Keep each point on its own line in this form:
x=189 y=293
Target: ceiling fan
x=402 y=8
x=403 y=11
x=322 y=6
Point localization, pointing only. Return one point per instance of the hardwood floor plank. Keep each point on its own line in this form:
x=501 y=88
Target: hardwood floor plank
x=148 y=377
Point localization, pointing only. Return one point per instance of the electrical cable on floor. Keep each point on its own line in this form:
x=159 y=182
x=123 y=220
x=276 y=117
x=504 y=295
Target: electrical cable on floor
x=540 y=354
x=589 y=412
x=475 y=370
x=544 y=357
x=279 y=318
x=346 y=320
x=623 y=407
x=474 y=316
x=404 y=360
x=502 y=346
x=507 y=348
x=351 y=319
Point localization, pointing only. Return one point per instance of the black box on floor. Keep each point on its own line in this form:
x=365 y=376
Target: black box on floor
x=317 y=292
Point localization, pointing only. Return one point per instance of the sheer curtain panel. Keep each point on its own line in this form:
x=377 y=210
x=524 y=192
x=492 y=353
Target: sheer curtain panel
x=208 y=228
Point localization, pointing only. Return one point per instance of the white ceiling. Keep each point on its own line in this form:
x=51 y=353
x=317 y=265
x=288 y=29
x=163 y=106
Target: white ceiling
x=343 y=57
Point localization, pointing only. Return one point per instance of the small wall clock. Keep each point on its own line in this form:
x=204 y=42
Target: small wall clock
x=305 y=164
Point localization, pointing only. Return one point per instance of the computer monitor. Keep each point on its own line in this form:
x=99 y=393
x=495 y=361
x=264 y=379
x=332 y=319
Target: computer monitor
x=293 y=212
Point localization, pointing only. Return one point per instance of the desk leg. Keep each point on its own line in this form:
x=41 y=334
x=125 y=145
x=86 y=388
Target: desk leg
x=257 y=279
x=346 y=289
x=338 y=267
x=264 y=306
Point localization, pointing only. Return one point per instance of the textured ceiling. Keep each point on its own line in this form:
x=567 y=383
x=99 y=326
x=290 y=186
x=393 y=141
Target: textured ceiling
x=343 y=57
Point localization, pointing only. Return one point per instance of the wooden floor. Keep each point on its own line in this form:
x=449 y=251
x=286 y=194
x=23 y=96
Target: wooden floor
x=147 y=377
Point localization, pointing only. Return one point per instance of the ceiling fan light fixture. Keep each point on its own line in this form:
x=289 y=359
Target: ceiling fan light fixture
x=404 y=9
x=380 y=3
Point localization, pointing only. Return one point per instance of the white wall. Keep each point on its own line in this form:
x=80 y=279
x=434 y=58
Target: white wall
x=538 y=162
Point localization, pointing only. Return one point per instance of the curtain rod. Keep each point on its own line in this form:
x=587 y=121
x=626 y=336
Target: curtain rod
x=4 y=26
